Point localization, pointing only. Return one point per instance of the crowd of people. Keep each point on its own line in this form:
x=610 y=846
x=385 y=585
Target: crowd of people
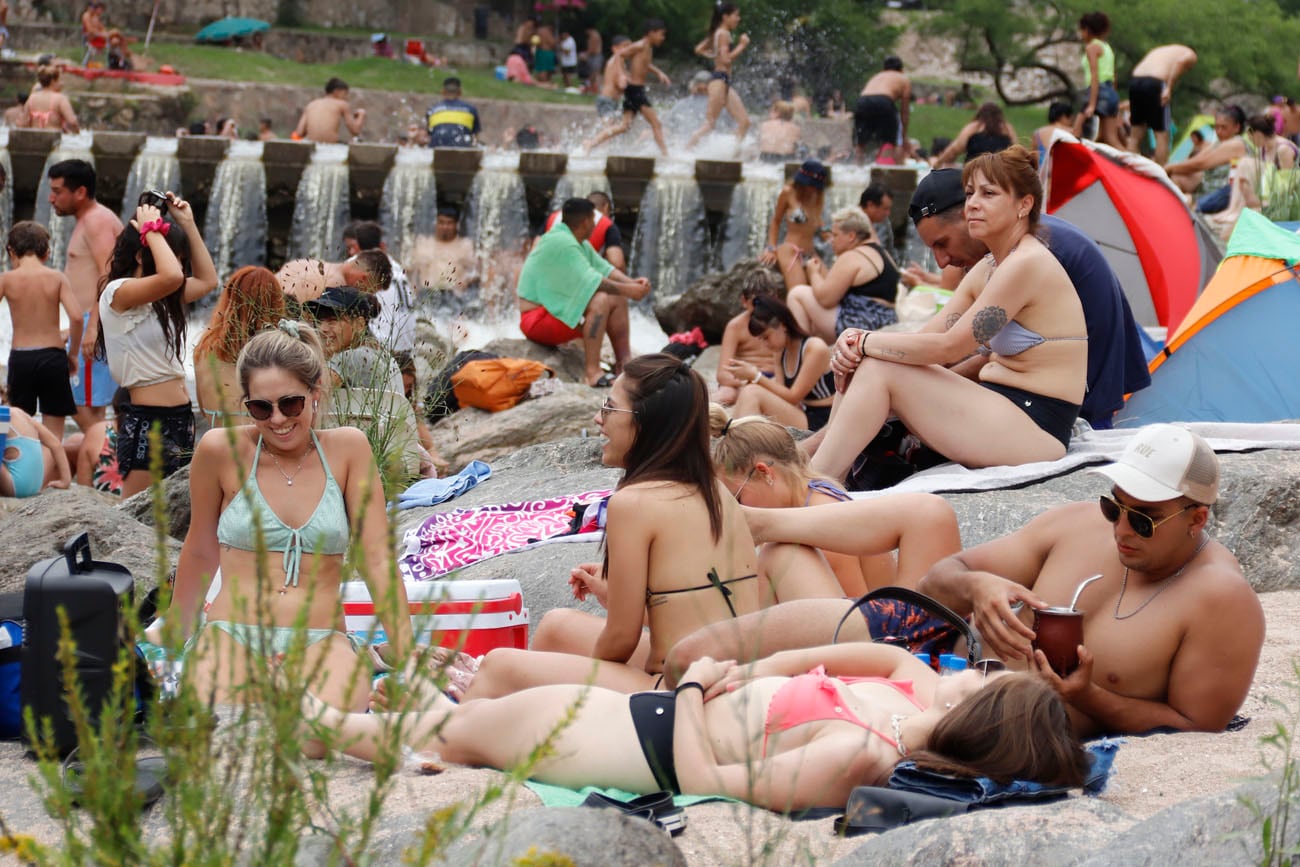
x=734 y=556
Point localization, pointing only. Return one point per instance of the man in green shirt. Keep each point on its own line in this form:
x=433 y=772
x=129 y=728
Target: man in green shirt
x=568 y=291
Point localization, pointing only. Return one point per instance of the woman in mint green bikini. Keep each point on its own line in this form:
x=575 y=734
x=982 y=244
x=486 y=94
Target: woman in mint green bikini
x=312 y=494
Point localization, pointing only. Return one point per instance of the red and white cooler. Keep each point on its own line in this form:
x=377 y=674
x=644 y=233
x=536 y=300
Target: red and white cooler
x=474 y=616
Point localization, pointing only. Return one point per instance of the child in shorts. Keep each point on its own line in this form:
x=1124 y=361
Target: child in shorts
x=39 y=363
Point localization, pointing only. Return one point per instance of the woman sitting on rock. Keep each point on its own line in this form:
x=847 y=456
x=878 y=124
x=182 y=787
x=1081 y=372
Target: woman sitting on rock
x=800 y=394
x=858 y=291
x=31 y=458
x=356 y=360
x=1016 y=307
x=758 y=460
x=678 y=555
x=251 y=301
x=799 y=729
x=276 y=507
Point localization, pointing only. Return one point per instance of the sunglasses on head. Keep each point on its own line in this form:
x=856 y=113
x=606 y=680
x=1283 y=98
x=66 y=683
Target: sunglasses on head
x=290 y=405
x=1143 y=524
x=987 y=666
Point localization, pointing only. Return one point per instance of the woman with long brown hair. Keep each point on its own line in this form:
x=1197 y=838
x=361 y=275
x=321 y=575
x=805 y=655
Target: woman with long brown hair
x=988 y=133
x=251 y=301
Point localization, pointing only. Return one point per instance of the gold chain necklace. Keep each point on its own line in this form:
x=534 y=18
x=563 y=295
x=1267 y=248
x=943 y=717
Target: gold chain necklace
x=1205 y=540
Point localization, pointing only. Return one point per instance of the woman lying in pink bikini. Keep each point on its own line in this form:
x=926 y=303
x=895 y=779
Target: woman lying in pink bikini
x=799 y=729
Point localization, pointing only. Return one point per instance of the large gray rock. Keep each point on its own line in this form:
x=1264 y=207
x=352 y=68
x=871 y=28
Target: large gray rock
x=567 y=360
x=37 y=528
x=1211 y=830
x=586 y=837
x=468 y=434
x=176 y=504
x=1059 y=834
x=713 y=300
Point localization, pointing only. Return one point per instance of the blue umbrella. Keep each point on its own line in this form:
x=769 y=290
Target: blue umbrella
x=231 y=28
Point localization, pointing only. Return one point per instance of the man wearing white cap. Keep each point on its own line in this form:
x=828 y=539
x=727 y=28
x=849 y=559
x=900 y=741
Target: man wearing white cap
x=1171 y=632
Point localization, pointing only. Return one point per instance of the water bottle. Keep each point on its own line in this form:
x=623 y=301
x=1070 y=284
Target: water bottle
x=4 y=428
x=951 y=663
x=924 y=657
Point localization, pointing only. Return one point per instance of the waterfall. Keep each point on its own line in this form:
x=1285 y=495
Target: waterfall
x=409 y=204
x=322 y=206
x=235 y=227
x=670 y=245
x=752 y=203
x=154 y=168
x=847 y=184
x=497 y=221
x=582 y=176
x=70 y=146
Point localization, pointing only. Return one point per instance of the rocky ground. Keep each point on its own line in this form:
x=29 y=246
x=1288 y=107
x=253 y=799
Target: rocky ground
x=1177 y=790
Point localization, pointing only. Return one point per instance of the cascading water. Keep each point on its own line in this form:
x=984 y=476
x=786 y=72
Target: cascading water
x=582 y=176
x=846 y=188
x=321 y=206
x=71 y=146
x=235 y=227
x=752 y=203
x=154 y=168
x=6 y=195
x=409 y=204
x=670 y=244
x=497 y=220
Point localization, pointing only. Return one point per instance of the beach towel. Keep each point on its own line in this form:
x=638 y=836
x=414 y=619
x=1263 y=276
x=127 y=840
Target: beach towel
x=452 y=540
x=559 y=796
x=984 y=791
x=431 y=492
x=1087 y=448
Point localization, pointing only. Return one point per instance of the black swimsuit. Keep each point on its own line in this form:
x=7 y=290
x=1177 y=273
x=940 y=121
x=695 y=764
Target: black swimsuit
x=714 y=581
x=634 y=98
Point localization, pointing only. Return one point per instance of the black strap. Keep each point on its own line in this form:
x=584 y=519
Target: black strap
x=913 y=597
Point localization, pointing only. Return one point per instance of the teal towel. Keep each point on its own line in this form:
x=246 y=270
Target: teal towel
x=559 y=796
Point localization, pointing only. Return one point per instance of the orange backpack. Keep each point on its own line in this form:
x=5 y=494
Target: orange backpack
x=495 y=384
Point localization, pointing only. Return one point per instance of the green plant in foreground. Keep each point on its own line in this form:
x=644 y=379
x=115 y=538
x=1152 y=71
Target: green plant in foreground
x=1281 y=765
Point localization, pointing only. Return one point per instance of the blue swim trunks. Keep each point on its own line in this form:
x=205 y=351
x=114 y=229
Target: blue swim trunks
x=94 y=384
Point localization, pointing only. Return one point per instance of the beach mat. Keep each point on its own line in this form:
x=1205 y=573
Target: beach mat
x=559 y=796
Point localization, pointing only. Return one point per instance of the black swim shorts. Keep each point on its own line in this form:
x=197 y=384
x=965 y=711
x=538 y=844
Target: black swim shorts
x=1051 y=414
x=634 y=98
x=176 y=424
x=652 y=717
x=875 y=121
x=40 y=377
x=1144 y=103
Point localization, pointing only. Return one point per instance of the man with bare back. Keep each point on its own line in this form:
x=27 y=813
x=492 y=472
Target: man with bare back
x=39 y=363
x=72 y=194
x=881 y=115
x=639 y=56
x=1149 y=91
x=320 y=119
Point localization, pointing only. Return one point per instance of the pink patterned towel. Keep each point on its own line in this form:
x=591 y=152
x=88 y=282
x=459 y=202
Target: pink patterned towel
x=449 y=540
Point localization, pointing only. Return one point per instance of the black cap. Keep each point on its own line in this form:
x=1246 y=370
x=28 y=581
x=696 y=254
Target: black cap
x=937 y=192
x=811 y=174
x=340 y=299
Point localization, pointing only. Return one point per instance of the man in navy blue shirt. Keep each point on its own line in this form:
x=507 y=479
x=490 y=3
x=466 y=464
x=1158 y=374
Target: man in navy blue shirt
x=453 y=122
x=1116 y=363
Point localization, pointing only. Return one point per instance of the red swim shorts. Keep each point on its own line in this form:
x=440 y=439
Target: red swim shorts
x=539 y=326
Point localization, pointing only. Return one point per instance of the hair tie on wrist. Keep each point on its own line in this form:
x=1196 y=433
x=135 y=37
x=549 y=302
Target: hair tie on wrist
x=290 y=327
x=159 y=225
x=690 y=684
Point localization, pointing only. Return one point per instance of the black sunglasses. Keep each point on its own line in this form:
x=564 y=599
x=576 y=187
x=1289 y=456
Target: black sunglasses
x=291 y=406
x=1143 y=524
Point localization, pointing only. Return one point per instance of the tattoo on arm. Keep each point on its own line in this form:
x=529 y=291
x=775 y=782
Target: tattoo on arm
x=953 y=319
x=987 y=323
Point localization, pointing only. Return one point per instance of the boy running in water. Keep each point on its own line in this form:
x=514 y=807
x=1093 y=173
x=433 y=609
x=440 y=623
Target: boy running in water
x=39 y=365
x=639 y=56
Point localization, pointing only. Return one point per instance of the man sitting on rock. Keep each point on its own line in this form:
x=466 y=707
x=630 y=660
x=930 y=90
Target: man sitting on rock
x=568 y=291
x=1177 y=652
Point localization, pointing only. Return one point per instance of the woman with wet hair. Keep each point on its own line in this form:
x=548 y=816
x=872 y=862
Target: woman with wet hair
x=678 y=555
x=1016 y=309
x=799 y=729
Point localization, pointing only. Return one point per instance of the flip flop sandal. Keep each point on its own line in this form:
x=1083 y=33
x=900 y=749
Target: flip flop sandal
x=605 y=381
x=150 y=776
x=656 y=807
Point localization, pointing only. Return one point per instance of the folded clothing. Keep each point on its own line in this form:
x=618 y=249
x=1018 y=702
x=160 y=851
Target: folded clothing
x=431 y=492
x=982 y=790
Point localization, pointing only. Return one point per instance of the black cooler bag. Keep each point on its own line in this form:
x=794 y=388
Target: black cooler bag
x=93 y=595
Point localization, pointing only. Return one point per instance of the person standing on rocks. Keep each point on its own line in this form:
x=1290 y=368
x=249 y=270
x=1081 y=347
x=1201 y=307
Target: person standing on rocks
x=567 y=291
x=320 y=119
x=881 y=115
x=72 y=194
x=1150 y=90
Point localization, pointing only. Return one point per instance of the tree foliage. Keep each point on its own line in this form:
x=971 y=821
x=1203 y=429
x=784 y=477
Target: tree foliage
x=1243 y=45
